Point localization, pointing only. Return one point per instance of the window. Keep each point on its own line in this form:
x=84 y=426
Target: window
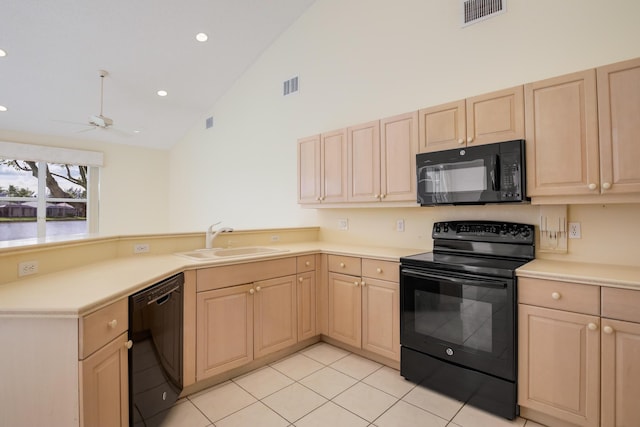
x=46 y=191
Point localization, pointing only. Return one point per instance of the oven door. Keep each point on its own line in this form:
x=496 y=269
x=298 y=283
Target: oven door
x=460 y=318
x=463 y=176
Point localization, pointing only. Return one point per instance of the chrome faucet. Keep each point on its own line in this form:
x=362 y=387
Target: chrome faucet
x=211 y=234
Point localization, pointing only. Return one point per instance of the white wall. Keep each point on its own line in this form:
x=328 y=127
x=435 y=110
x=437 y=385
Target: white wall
x=360 y=60
x=133 y=183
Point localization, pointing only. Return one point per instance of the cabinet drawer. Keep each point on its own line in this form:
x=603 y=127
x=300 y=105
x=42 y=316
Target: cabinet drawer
x=622 y=304
x=383 y=270
x=239 y=274
x=559 y=295
x=344 y=264
x=306 y=263
x=100 y=327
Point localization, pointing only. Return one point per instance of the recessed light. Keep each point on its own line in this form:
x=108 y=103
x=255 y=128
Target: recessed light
x=202 y=37
x=3 y=108
x=3 y=53
x=162 y=93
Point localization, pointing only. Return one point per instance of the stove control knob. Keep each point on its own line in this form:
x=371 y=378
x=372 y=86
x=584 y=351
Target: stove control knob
x=525 y=232
x=446 y=228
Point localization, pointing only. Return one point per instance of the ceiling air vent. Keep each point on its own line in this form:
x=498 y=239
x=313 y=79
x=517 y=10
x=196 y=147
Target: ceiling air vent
x=290 y=86
x=478 y=10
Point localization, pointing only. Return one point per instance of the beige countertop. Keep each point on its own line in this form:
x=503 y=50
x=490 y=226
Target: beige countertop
x=619 y=276
x=81 y=290
x=78 y=291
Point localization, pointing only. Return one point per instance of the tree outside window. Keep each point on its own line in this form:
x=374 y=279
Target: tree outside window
x=39 y=199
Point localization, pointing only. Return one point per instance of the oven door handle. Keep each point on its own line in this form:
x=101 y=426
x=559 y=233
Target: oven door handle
x=462 y=281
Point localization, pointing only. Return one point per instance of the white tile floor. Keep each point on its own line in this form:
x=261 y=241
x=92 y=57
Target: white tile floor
x=324 y=386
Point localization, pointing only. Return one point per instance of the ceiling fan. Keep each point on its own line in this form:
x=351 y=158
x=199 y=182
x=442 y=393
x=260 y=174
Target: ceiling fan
x=100 y=121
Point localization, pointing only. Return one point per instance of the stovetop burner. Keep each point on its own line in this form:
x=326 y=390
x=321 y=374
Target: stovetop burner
x=480 y=247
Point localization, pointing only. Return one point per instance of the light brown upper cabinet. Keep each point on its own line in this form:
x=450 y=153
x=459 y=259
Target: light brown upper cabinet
x=562 y=135
x=484 y=119
x=322 y=168
x=582 y=133
x=381 y=159
x=619 y=119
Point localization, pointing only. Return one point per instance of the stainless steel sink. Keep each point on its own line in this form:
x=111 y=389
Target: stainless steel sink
x=247 y=251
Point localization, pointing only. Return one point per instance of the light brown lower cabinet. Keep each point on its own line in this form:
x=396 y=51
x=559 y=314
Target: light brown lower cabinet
x=575 y=367
x=224 y=329
x=559 y=364
x=105 y=390
x=363 y=312
x=306 y=294
x=275 y=321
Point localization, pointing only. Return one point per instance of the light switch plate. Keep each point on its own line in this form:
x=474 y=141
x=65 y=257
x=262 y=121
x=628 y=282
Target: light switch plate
x=343 y=224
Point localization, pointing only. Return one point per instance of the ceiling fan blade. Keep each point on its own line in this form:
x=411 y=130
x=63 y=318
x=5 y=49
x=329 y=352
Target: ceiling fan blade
x=72 y=123
x=121 y=132
x=86 y=130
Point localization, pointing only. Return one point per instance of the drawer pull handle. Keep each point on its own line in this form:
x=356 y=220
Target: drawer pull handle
x=606 y=185
x=592 y=186
x=363 y=283
x=556 y=296
x=379 y=270
x=252 y=291
x=258 y=288
x=592 y=326
x=356 y=283
x=342 y=265
x=607 y=330
x=112 y=324
x=128 y=344
x=307 y=263
x=460 y=141
x=300 y=279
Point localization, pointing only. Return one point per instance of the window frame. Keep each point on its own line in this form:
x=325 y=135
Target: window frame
x=46 y=154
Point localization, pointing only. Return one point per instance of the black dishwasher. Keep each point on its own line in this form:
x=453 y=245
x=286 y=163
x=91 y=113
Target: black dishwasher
x=155 y=361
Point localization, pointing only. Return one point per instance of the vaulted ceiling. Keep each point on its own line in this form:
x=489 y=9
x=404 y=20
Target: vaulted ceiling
x=50 y=81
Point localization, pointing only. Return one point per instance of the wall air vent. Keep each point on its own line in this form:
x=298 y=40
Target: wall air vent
x=478 y=10
x=290 y=86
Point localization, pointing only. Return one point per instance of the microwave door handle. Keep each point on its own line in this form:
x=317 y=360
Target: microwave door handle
x=457 y=280
x=495 y=174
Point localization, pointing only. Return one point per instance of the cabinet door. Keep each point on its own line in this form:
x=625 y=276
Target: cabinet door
x=105 y=389
x=333 y=147
x=495 y=117
x=398 y=149
x=442 y=127
x=306 y=294
x=363 y=144
x=562 y=135
x=381 y=317
x=620 y=373
x=619 y=113
x=559 y=364
x=309 y=172
x=275 y=315
x=345 y=309
x=224 y=330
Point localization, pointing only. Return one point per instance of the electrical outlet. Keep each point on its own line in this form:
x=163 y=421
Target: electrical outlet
x=275 y=238
x=400 y=225
x=574 y=230
x=28 y=267
x=140 y=248
x=343 y=224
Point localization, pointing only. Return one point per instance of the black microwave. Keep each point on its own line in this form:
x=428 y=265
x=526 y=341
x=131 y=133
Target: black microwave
x=491 y=173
